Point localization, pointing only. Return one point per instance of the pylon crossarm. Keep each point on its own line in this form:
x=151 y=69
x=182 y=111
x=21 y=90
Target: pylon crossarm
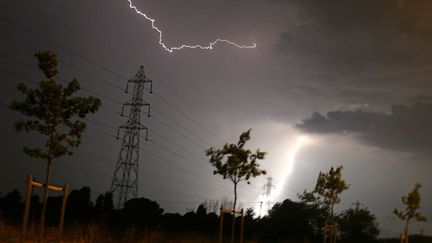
x=140 y=102
x=129 y=126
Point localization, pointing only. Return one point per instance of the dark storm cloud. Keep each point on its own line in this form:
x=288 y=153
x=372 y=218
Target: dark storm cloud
x=359 y=32
x=362 y=45
x=351 y=96
x=405 y=128
x=421 y=98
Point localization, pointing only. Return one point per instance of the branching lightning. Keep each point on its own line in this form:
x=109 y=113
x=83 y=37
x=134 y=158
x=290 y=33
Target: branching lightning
x=195 y=46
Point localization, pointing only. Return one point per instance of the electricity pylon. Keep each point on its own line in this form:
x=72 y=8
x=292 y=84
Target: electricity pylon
x=125 y=179
x=268 y=188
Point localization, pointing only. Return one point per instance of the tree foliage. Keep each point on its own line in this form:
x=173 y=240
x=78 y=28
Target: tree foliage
x=287 y=221
x=51 y=108
x=79 y=206
x=412 y=204
x=322 y=199
x=141 y=212
x=327 y=189
x=235 y=162
x=10 y=206
x=357 y=225
x=104 y=204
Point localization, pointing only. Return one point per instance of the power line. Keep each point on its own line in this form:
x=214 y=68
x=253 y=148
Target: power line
x=173 y=105
x=61 y=79
x=106 y=49
x=176 y=144
x=163 y=123
x=104 y=81
x=104 y=177
x=60 y=46
x=107 y=147
x=176 y=131
x=187 y=116
x=103 y=68
x=100 y=143
x=149 y=152
x=91 y=173
x=177 y=154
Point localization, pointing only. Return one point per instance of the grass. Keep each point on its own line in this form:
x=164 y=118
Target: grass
x=98 y=234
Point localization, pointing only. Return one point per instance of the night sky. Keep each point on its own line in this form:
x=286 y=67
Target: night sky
x=340 y=82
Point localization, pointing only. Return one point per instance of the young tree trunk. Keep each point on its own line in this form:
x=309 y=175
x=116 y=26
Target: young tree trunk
x=45 y=199
x=333 y=225
x=332 y=214
x=234 y=208
x=406 y=231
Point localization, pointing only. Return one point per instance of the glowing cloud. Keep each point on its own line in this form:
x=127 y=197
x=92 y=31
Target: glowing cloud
x=194 y=46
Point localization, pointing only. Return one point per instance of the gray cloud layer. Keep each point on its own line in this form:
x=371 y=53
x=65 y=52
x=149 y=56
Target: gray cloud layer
x=406 y=128
x=377 y=50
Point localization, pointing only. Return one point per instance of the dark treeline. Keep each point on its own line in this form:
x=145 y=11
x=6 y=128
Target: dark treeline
x=287 y=221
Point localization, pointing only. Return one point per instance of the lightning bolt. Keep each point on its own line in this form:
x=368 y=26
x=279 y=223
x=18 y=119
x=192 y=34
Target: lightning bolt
x=300 y=142
x=195 y=46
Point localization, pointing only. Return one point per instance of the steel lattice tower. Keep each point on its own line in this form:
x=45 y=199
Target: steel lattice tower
x=268 y=188
x=125 y=180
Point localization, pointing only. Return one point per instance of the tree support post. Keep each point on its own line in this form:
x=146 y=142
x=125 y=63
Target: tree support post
x=234 y=213
x=404 y=238
x=221 y=224
x=26 y=206
x=241 y=225
x=334 y=233
x=330 y=228
x=29 y=188
x=63 y=209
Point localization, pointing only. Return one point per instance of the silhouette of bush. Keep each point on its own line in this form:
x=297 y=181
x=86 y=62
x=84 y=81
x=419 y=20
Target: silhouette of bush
x=10 y=206
x=79 y=207
x=287 y=221
x=140 y=212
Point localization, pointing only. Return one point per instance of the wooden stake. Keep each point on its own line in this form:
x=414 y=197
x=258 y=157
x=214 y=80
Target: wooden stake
x=241 y=226
x=30 y=184
x=63 y=209
x=26 y=206
x=221 y=224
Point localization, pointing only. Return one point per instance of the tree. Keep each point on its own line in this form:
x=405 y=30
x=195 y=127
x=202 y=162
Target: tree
x=287 y=221
x=200 y=220
x=324 y=196
x=412 y=202
x=357 y=225
x=10 y=206
x=52 y=110
x=79 y=205
x=104 y=205
x=141 y=212
x=327 y=190
x=237 y=164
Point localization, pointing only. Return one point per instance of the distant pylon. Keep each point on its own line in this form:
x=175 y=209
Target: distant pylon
x=124 y=184
x=357 y=206
x=268 y=188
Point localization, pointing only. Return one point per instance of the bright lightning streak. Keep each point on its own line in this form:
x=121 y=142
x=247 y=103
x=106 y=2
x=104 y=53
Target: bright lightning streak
x=284 y=177
x=291 y=161
x=171 y=49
